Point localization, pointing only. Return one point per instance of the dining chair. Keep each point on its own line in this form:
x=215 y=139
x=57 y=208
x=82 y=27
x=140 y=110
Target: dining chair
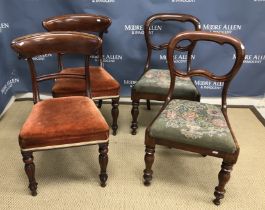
x=66 y=121
x=194 y=126
x=154 y=82
x=103 y=85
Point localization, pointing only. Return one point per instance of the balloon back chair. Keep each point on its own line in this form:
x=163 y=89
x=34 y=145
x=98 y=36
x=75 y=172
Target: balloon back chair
x=103 y=85
x=154 y=83
x=60 y=122
x=194 y=126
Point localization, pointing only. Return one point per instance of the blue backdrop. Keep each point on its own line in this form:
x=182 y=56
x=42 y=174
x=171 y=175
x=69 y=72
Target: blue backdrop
x=124 y=45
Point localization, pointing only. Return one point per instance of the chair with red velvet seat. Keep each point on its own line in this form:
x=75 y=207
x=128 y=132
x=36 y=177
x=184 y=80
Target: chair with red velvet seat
x=194 y=126
x=154 y=82
x=103 y=85
x=66 y=121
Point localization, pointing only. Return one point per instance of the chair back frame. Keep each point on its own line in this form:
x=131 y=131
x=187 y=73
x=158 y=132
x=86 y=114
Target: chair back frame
x=82 y=23
x=33 y=45
x=212 y=37
x=168 y=17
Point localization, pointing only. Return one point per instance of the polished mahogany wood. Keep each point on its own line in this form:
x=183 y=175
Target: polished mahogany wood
x=115 y=114
x=82 y=23
x=223 y=177
x=30 y=171
x=135 y=113
x=78 y=22
x=103 y=161
x=149 y=159
x=45 y=43
x=229 y=159
x=168 y=17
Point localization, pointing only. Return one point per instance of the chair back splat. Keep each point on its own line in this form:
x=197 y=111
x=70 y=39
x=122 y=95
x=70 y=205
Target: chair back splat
x=191 y=125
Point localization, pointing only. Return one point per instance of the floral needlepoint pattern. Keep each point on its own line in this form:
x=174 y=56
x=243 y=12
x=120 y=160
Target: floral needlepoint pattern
x=162 y=78
x=219 y=123
x=190 y=116
x=157 y=81
x=194 y=123
x=195 y=119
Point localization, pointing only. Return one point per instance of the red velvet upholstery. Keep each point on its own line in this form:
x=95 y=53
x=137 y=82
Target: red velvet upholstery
x=63 y=121
x=102 y=84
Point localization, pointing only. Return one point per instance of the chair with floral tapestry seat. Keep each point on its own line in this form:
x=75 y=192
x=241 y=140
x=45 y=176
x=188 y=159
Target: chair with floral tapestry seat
x=154 y=82
x=66 y=121
x=194 y=126
x=103 y=85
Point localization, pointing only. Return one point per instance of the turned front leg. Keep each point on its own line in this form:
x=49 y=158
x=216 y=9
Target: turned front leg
x=30 y=171
x=115 y=114
x=149 y=160
x=135 y=113
x=103 y=162
x=223 y=177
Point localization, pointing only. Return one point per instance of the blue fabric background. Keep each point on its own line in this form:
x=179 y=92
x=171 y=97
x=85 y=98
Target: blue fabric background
x=125 y=50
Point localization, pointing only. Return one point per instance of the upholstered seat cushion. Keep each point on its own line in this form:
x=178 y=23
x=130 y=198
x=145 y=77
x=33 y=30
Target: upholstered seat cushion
x=103 y=85
x=63 y=122
x=194 y=123
x=157 y=81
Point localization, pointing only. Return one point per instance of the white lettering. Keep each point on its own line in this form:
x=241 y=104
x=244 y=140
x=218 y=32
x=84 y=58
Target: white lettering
x=183 y=1
x=252 y=58
x=10 y=83
x=209 y=85
x=103 y=1
x=133 y=27
x=225 y=29
x=4 y=25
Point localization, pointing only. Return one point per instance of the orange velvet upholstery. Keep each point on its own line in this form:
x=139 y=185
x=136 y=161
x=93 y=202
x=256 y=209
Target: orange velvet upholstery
x=63 y=121
x=102 y=84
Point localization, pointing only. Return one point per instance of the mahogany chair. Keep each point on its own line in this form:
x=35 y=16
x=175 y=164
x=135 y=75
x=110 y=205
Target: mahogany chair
x=193 y=126
x=154 y=82
x=60 y=122
x=103 y=85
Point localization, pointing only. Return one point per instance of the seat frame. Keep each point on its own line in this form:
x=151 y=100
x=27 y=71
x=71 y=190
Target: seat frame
x=89 y=23
x=33 y=45
x=229 y=159
x=137 y=96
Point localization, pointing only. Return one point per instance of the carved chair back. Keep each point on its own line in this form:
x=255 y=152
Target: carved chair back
x=184 y=18
x=218 y=38
x=33 y=45
x=88 y=23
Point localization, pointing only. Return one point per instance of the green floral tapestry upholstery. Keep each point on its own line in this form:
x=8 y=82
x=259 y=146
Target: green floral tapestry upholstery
x=157 y=81
x=194 y=123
